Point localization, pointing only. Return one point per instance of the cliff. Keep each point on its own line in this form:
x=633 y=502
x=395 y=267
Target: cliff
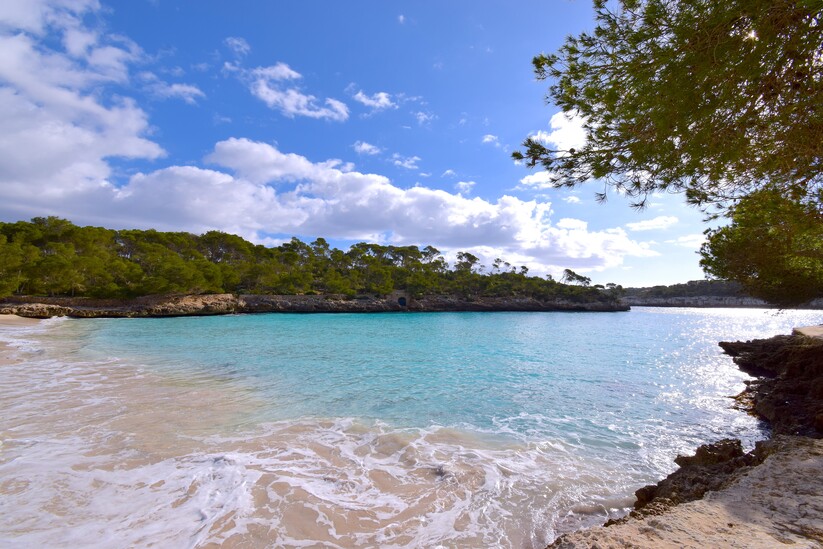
x=198 y=305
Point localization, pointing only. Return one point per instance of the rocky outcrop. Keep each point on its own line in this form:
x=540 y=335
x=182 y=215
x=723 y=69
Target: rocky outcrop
x=708 y=469
x=770 y=496
x=191 y=305
x=777 y=503
x=696 y=301
x=789 y=393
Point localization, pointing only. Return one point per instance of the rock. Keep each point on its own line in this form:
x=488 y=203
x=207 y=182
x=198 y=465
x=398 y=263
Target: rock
x=778 y=502
x=217 y=304
x=710 y=467
x=712 y=454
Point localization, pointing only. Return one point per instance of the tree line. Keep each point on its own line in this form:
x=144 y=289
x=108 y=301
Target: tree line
x=52 y=256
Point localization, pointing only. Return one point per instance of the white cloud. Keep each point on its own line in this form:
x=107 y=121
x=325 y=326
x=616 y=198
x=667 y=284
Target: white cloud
x=401 y=18
x=378 y=101
x=658 y=223
x=572 y=224
x=266 y=83
x=491 y=139
x=407 y=162
x=449 y=173
x=567 y=132
x=259 y=190
x=424 y=118
x=279 y=71
x=537 y=180
x=571 y=199
x=465 y=187
x=693 y=241
x=58 y=130
x=187 y=92
x=361 y=147
x=238 y=45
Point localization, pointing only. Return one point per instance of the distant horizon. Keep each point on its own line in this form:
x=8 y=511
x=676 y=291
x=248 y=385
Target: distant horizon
x=385 y=124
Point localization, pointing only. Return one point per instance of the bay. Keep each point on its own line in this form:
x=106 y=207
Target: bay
x=350 y=430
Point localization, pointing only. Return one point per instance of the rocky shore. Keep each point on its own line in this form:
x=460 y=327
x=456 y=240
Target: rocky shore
x=218 y=304
x=709 y=301
x=723 y=497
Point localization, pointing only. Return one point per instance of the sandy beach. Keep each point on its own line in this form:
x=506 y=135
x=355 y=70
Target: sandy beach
x=12 y=321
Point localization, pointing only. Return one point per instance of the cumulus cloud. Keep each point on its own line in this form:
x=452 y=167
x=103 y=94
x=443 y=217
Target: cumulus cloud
x=273 y=85
x=658 y=223
x=449 y=173
x=491 y=139
x=537 y=180
x=58 y=130
x=377 y=102
x=361 y=147
x=257 y=190
x=61 y=130
x=465 y=187
x=566 y=132
x=407 y=162
x=572 y=200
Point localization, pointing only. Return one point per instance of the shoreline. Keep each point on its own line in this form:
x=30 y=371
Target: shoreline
x=12 y=321
x=721 y=497
x=223 y=304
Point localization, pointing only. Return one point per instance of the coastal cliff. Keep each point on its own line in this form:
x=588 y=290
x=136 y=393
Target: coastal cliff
x=723 y=497
x=217 y=304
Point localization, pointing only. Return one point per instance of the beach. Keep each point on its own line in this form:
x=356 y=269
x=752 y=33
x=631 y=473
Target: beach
x=133 y=454
x=6 y=356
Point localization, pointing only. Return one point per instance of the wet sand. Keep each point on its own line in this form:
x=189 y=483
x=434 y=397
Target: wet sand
x=12 y=321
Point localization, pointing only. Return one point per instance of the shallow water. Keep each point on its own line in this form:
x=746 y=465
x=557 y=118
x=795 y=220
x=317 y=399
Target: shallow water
x=392 y=430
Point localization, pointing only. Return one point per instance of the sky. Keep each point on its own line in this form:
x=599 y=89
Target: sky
x=387 y=122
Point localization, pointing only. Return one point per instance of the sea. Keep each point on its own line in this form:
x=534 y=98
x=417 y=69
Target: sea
x=357 y=430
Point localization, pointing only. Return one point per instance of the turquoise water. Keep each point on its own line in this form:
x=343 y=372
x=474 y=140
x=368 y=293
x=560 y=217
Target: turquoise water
x=395 y=430
x=525 y=375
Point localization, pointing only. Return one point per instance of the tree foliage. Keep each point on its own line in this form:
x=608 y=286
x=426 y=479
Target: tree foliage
x=714 y=99
x=773 y=247
x=571 y=277
x=51 y=256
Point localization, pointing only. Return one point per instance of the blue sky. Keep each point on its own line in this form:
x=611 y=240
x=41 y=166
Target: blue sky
x=380 y=121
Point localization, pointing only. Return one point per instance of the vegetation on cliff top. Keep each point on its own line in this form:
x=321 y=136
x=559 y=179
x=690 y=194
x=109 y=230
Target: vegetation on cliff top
x=51 y=256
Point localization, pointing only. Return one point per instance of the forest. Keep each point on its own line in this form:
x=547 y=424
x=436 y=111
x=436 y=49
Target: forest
x=49 y=256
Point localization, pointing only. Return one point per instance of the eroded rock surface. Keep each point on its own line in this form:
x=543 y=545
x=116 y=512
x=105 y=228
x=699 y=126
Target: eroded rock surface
x=775 y=504
x=721 y=497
